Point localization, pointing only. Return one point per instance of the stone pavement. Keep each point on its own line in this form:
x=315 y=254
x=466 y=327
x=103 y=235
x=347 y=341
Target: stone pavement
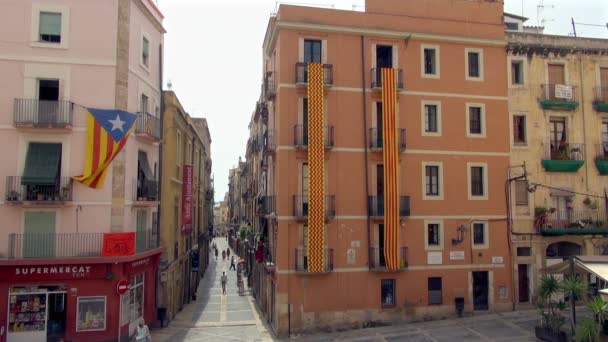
x=213 y=316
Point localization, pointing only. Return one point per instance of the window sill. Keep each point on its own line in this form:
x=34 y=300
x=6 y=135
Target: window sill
x=474 y=79
x=146 y=68
x=433 y=248
x=385 y=306
x=63 y=45
x=476 y=135
x=478 y=198
x=432 y=76
x=432 y=198
x=431 y=134
x=520 y=146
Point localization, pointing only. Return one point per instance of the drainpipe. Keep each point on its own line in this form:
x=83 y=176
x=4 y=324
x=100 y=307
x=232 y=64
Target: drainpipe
x=366 y=163
x=586 y=149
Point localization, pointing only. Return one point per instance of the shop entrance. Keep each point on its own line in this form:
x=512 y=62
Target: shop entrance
x=37 y=313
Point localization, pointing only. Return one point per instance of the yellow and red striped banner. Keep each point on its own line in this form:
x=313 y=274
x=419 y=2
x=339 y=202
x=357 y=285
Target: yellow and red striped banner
x=316 y=167
x=390 y=157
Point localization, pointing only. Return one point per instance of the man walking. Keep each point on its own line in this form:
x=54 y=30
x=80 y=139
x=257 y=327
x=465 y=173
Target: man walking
x=224 y=280
x=232 y=266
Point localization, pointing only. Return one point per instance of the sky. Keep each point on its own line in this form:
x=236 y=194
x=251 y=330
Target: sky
x=213 y=58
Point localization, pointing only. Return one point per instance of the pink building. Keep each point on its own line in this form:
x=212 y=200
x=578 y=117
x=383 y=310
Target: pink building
x=58 y=57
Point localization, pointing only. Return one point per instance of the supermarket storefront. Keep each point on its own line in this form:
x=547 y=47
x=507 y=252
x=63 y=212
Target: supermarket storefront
x=50 y=300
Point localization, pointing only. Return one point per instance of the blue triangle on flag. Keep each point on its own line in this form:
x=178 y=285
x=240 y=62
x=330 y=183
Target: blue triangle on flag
x=116 y=122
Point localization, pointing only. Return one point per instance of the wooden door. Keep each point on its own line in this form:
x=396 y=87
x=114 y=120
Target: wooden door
x=556 y=74
x=524 y=283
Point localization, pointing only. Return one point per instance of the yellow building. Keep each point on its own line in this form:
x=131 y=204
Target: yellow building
x=558 y=103
x=186 y=142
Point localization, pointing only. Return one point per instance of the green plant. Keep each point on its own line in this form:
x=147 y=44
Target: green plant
x=549 y=308
x=587 y=331
x=539 y=211
x=574 y=287
x=243 y=231
x=599 y=308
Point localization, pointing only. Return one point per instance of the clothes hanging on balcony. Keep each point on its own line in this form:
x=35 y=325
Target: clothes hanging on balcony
x=42 y=164
x=144 y=165
x=390 y=155
x=316 y=167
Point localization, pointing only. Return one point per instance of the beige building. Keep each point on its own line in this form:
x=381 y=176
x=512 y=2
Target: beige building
x=186 y=142
x=558 y=104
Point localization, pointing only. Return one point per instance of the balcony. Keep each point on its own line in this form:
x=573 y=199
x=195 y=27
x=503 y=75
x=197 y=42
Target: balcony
x=300 y=207
x=600 y=103
x=71 y=245
x=376 y=142
x=302 y=261
x=601 y=160
x=575 y=222
x=558 y=97
x=42 y=114
x=377 y=261
x=145 y=192
x=563 y=157
x=302 y=74
x=377 y=79
x=270 y=85
x=38 y=192
x=376 y=206
x=300 y=134
x=147 y=127
x=269 y=141
x=266 y=205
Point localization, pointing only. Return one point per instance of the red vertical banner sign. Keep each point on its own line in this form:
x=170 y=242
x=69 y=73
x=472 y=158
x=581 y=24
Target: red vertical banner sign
x=187 y=200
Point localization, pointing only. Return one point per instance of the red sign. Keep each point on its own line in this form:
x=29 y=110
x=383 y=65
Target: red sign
x=140 y=265
x=53 y=272
x=118 y=244
x=187 y=200
x=122 y=287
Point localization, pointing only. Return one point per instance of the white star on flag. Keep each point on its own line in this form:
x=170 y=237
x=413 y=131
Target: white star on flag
x=117 y=123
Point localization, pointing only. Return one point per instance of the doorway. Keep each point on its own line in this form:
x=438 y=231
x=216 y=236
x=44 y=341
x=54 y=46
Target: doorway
x=57 y=316
x=480 y=290
x=381 y=258
x=379 y=127
x=48 y=96
x=524 y=283
x=384 y=59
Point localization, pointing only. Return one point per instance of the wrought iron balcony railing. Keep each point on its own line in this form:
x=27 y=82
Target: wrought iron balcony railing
x=302 y=260
x=269 y=141
x=302 y=74
x=377 y=78
x=564 y=151
x=146 y=190
x=266 y=205
x=300 y=207
x=376 y=206
x=377 y=260
x=376 y=142
x=20 y=189
x=42 y=113
x=301 y=136
x=270 y=85
x=148 y=124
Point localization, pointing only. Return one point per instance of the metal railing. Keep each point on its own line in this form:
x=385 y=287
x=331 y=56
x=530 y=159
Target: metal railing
x=270 y=86
x=602 y=151
x=573 y=219
x=269 y=141
x=302 y=260
x=558 y=92
x=376 y=142
x=57 y=190
x=376 y=206
x=302 y=74
x=377 y=78
x=601 y=94
x=266 y=205
x=148 y=124
x=43 y=113
x=300 y=206
x=300 y=136
x=145 y=190
x=564 y=151
x=70 y=245
x=377 y=259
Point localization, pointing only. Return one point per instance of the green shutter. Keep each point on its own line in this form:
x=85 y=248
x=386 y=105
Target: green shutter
x=50 y=23
x=39 y=234
x=41 y=164
x=140 y=233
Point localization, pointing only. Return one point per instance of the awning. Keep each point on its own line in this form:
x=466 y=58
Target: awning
x=41 y=164
x=144 y=166
x=596 y=264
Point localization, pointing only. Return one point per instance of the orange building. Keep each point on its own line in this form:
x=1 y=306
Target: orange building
x=377 y=163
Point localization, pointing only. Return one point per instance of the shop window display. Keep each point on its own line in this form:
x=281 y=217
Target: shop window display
x=91 y=314
x=27 y=312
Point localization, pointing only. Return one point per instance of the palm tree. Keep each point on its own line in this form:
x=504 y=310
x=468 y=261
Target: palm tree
x=599 y=308
x=574 y=287
x=587 y=331
x=548 y=307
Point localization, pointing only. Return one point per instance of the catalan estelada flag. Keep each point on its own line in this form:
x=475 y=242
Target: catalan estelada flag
x=107 y=133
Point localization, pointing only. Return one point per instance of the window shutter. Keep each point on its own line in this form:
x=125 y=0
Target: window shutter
x=50 y=23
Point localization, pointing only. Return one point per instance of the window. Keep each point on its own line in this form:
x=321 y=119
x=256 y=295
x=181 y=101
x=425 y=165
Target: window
x=387 y=292
x=144 y=103
x=430 y=118
x=519 y=129
x=430 y=61
x=91 y=314
x=178 y=153
x=517 y=72
x=432 y=180
x=474 y=64
x=479 y=234
x=136 y=297
x=433 y=234
x=435 y=293
x=524 y=251
x=475 y=120
x=312 y=51
x=521 y=192
x=477 y=181
x=512 y=26
x=49 y=30
x=145 y=51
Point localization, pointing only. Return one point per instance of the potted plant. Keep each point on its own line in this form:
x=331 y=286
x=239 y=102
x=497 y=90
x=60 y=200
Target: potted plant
x=550 y=310
x=12 y=196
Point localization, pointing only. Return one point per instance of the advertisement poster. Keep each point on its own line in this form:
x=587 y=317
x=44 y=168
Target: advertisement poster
x=118 y=244
x=187 y=200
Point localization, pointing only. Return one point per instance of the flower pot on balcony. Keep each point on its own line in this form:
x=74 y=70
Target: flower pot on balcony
x=40 y=197
x=12 y=196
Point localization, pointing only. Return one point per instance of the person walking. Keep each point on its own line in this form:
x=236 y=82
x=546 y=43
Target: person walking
x=228 y=252
x=143 y=332
x=232 y=265
x=224 y=280
x=224 y=255
x=215 y=253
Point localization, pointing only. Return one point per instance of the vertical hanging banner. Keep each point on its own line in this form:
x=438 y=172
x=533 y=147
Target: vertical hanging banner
x=316 y=169
x=187 y=199
x=390 y=156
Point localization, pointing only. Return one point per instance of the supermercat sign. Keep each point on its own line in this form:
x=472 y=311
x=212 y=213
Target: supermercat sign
x=43 y=272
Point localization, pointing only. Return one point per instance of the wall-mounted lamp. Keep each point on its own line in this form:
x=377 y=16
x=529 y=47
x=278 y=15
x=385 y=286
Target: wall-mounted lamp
x=460 y=230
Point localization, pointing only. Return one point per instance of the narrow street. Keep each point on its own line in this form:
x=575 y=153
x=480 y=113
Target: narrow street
x=213 y=316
